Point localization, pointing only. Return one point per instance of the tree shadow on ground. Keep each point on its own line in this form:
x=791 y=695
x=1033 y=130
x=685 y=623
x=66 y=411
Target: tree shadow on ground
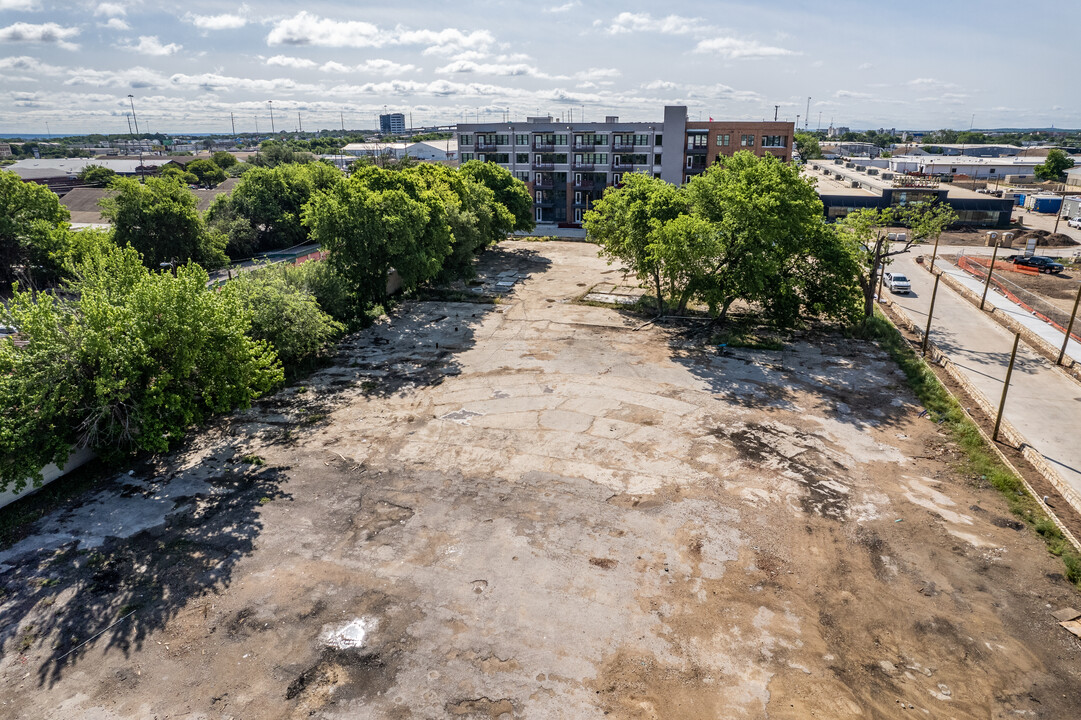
x=61 y=599
x=852 y=378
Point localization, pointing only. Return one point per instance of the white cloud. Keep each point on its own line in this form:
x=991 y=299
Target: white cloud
x=29 y=64
x=24 y=5
x=865 y=66
x=737 y=48
x=307 y=29
x=852 y=95
x=47 y=33
x=375 y=66
x=565 y=7
x=213 y=82
x=598 y=73
x=500 y=69
x=225 y=21
x=137 y=77
x=293 y=62
x=627 y=22
x=150 y=45
x=116 y=24
x=110 y=9
x=660 y=85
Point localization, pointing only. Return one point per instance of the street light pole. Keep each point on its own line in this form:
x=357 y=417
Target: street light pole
x=131 y=99
x=270 y=104
x=1005 y=387
x=930 y=314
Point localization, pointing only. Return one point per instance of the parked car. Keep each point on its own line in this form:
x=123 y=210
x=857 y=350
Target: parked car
x=1074 y=223
x=896 y=282
x=1041 y=263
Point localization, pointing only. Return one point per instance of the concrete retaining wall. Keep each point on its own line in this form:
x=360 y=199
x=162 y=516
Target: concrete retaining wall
x=51 y=472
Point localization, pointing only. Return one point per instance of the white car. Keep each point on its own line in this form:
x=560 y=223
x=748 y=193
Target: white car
x=1074 y=223
x=896 y=282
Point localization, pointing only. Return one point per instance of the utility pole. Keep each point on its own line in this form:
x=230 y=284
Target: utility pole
x=300 y=125
x=131 y=99
x=934 y=254
x=775 y=109
x=990 y=269
x=1069 y=327
x=930 y=314
x=232 y=121
x=270 y=104
x=1005 y=387
x=807 y=114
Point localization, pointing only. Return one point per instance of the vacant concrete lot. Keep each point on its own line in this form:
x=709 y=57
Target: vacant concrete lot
x=533 y=510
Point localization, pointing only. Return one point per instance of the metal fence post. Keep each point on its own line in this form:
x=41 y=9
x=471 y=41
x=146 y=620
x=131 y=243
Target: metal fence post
x=1069 y=327
x=990 y=269
x=1005 y=387
x=930 y=314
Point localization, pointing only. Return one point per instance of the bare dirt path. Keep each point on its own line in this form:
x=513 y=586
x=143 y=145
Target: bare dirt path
x=531 y=510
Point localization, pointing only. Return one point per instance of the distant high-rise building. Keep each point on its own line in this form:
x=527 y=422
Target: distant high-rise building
x=392 y=123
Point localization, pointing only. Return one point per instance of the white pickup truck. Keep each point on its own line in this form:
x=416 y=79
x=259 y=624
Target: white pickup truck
x=896 y=282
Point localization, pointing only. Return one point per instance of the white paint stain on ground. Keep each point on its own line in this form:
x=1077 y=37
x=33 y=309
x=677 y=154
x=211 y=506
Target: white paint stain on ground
x=350 y=635
x=925 y=496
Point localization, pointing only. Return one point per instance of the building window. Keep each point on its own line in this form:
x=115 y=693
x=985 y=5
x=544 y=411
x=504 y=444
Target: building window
x=578 y=215
x=657 y=159
x=523 y=176
x=689 y=161
x=539 y=214
x=746 y=140
x=465 y=140
x=775 y=141
x=521 y=139
x=722 y=140
x=686 y=178
x=697 y=141
x=466 y=157
x=578 y=197
x=657 y=140
x=616 y=178
x=521 y=157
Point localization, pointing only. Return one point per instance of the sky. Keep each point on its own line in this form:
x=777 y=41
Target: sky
x=68 y=66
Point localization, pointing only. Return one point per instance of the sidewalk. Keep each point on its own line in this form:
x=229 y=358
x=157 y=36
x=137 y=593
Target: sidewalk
x=1044 y=405
x=1044 y=330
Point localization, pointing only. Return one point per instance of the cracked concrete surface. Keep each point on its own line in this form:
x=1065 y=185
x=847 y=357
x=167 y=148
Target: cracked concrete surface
x=532 y=510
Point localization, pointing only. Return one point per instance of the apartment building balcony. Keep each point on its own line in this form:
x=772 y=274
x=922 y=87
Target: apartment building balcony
x=697 y=150
x=627 y=147
x=588 y=167
x=543 y=165
x=545 y=202
x=583 y=184
x=544 y=184
x=485 y=146
x=544 y=147
x=587 y=147
x=622 y=166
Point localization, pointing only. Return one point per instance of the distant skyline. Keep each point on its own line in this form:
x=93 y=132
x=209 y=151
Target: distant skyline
x=68 y=67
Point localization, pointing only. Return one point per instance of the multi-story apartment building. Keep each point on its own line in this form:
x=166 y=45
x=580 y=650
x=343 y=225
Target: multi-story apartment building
x=567 y=166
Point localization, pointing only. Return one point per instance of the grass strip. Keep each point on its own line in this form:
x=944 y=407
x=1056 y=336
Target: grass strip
x=979 y=459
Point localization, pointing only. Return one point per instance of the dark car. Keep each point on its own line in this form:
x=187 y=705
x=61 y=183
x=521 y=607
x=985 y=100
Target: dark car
x=1041 y=263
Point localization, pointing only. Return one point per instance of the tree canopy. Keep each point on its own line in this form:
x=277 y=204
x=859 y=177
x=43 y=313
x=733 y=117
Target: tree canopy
x=33 y=226
x=207 y=172
x=96 y=175
x=1055 y=166
x=160 y=220
x=510 y=192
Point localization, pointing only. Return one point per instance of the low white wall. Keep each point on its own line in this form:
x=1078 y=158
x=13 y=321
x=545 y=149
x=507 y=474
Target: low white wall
x=51 y=472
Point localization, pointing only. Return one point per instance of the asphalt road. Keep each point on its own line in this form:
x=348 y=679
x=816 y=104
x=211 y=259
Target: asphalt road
x=1043 y=404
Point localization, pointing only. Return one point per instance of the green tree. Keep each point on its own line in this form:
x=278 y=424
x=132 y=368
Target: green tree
x=131 y=363
x=630 y=225
x=367 y=231
x=285 y=315
x=808 y=146
x=271 y=199
x=32 y=227
x=866 y=233
x=1055 y=166
x=223 y=159
x=160 y=220
x=770 y=235
x=96 y=175
x=509 y=191
x=181 y=173
x=273 y=153
x=207 y=172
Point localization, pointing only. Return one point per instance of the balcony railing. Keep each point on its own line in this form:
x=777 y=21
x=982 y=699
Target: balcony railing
x=587 y=146
x=545 y=202
x=485 y=146
x=543 y=184
x=622 y=166
x=697 y=149
x=583 y=184
x=543 y=165
x=589 y=167
x=627 y=146
x=544 y=147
